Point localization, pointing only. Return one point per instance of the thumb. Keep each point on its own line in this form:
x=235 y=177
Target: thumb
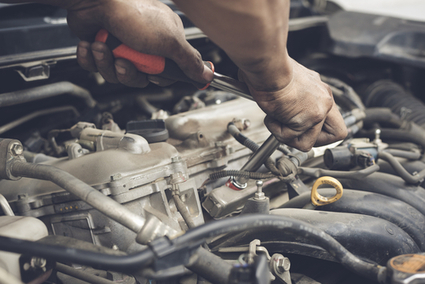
x=190 y=62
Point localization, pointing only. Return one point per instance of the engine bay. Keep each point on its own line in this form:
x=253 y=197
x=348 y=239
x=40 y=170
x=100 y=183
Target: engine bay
x=102 y=183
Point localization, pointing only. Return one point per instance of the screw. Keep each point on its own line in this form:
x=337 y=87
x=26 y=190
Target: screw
x=377 y=134
x=259 y=195
x=17 y=149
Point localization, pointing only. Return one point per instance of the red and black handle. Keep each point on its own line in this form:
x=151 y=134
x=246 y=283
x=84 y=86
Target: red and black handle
x=147 y=63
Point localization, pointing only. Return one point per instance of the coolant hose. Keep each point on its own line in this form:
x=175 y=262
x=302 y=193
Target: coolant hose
x=46 y=91
x=141 y=259
x=382 y=115
x=400 y=170
x=287 y=225
x=386 y=93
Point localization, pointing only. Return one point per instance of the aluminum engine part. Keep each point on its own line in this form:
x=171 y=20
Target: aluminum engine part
x=141 y=182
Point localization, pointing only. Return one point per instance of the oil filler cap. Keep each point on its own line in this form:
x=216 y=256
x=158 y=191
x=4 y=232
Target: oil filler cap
x=153 y=130
x=406 y=268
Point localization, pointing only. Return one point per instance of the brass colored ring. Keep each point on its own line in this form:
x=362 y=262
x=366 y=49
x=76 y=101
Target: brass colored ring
x=320 y=200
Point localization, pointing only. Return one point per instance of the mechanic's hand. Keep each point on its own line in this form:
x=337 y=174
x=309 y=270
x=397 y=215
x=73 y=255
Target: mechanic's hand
x=303 y=114
x=148 y=26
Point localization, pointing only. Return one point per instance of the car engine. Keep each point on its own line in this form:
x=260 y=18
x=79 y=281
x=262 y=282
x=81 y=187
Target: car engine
x=102 y=183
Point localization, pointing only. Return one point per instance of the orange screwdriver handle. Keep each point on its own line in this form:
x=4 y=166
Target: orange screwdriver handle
x=147 y=63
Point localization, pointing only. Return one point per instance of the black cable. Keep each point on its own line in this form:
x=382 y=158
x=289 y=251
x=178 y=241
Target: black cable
x=126 y=263
x=46 y=91
x=318 y=172
x=410 y=155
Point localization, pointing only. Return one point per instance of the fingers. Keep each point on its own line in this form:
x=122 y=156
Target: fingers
x=104 y=61
x=190 y=62
x=334 y=128
x=97 y=57
x=85 y=56
x=302 y=140
x=330 y=130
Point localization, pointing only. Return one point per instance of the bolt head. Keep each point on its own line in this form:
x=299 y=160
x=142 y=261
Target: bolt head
x=176 y=159
x=280 y=263
x=116 y=177
x=17 y=149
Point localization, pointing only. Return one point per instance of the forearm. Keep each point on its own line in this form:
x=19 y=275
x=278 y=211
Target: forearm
x=253 y=33
x=66 y=4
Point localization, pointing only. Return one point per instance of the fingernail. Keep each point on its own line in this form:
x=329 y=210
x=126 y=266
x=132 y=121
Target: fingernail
x=207 y=74
x=82 y=51
x=120 y=70
x=98 y=55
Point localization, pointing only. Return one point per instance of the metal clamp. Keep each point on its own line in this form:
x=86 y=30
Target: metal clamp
x=320 y=200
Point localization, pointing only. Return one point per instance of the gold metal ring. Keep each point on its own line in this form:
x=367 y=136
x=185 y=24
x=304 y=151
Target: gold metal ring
x=320 y=200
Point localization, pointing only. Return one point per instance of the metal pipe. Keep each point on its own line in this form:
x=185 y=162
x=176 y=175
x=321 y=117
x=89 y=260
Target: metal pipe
x=99 y=201
x=5 y=206
x=65 y=269
x=46 y=91
x=184 y=211
x=258 y=158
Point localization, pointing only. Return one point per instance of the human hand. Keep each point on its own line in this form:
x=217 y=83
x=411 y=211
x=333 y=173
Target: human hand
x=302 y=114
x=148 y=26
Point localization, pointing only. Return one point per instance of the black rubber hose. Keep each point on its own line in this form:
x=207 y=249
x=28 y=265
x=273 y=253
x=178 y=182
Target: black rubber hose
x=46 y=91
x=382 y=115
x=126 y=263
x=386 y=93
x=209 y=266
x=318 y=172
x=377 y=205
x=79 y=274
x=410 y=155
x=389 y=185
x=235 y=132
x=400 y=135
x=288 y=225
x=400 y=170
